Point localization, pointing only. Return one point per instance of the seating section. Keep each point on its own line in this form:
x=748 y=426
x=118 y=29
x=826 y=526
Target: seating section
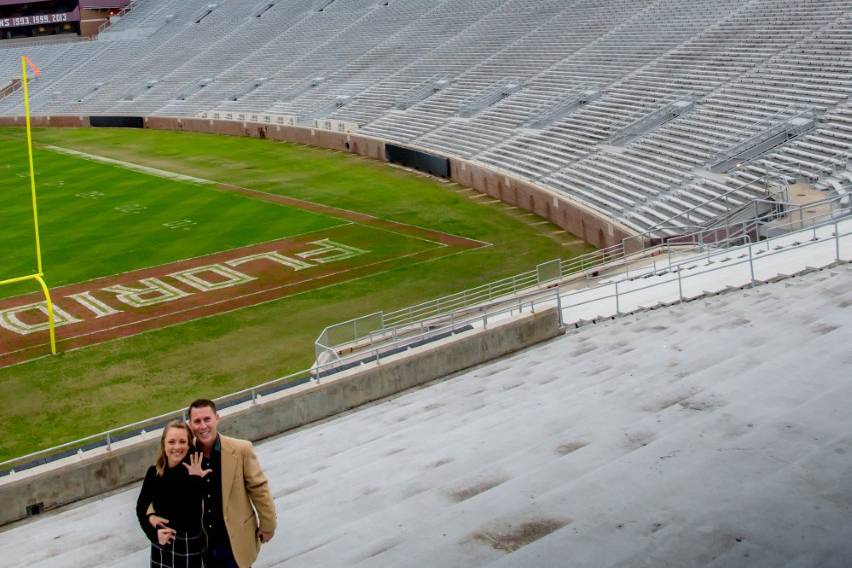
x=748 y=64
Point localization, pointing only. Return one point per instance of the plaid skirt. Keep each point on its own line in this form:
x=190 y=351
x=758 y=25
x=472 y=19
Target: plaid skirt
x=184 y=552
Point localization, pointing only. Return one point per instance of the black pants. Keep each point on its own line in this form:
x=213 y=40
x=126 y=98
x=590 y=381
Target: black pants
x=219 y=555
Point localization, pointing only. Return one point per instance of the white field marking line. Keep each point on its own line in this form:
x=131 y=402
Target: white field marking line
x=539 y=223
x=404 y=235
x=574 y=242
x=478 y=196
x=274 y=195
x=265 y=290
x=507 y=206
x=559 y=232
x=492 y=201
x=156 y=172
x=344 y=223
x=465 y=190
x=177 y=176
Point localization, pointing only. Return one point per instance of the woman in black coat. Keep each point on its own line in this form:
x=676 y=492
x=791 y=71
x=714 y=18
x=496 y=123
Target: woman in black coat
x=173 y=488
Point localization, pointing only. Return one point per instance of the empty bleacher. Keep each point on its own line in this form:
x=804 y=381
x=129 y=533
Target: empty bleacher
x=746 y=64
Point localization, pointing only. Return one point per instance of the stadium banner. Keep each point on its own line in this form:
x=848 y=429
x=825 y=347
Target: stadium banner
x=431 y=164
x=117 y=121
x=40 y=19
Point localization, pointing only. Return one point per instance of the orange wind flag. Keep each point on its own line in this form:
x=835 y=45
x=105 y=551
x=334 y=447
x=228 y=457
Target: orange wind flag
x=33 y=67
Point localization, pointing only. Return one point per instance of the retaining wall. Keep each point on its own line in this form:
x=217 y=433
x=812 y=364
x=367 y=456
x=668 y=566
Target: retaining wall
x=73 y=479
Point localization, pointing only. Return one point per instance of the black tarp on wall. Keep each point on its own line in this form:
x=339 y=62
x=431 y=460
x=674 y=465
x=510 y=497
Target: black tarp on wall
x=418 y=160
x=117 y=121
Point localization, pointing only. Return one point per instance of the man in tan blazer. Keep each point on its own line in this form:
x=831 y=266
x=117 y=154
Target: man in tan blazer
x=239 y=513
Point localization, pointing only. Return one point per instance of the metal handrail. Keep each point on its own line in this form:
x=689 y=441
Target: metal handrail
x=791 y=171
x=425 y=313
x=669 y=221
x=679 y=271
x=778 y=119
x=768 y=176
x=121 y=13
x=469 y=297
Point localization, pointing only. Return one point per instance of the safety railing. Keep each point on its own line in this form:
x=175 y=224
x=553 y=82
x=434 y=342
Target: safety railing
x=120 y=14
x=685 y=220
x=366 y=331
x=751 y=255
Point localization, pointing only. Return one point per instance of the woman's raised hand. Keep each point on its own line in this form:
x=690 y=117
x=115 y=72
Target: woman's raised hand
x=194 y=465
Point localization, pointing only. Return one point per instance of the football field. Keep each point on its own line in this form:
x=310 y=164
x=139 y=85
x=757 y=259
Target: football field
x=186 y=265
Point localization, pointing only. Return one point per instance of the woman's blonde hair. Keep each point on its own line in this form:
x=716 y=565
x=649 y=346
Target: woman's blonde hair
x=162 y=461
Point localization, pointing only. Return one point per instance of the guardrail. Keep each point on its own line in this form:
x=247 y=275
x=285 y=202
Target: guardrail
x=364 y=331
x=709 y=266
x=121 y=13
x=367 y=326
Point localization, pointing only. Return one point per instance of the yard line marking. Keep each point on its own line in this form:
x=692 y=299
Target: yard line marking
x=130 y=166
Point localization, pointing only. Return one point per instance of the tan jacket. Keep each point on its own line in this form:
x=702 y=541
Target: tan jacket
x=246 y=500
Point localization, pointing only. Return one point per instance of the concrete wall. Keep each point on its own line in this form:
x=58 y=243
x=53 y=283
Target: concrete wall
x=45 y=121
x=106 y=471
x=559 y=209
x=341 y=141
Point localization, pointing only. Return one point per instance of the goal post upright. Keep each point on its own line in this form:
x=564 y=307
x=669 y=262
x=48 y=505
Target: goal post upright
x=39 y=275
x=31 y=164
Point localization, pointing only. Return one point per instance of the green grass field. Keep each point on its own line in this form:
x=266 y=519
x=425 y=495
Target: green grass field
x=99 y=220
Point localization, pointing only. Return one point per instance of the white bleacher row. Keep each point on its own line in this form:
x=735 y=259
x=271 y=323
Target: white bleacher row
x=746 y=63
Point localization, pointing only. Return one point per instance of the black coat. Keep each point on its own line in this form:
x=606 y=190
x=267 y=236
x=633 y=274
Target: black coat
x=176 y=496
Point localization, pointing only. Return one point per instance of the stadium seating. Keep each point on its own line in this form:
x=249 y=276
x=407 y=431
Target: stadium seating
x=747 y=65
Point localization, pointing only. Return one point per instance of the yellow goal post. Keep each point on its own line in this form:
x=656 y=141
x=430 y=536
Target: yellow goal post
x=39 y=275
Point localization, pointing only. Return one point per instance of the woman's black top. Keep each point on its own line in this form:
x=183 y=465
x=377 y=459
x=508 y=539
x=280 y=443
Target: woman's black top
x=176 y=496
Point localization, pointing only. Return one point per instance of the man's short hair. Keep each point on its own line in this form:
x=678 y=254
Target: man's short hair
x=200 y=403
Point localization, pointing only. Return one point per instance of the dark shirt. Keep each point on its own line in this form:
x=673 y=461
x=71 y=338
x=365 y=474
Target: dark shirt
x=176 y=496
x=214 y=517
